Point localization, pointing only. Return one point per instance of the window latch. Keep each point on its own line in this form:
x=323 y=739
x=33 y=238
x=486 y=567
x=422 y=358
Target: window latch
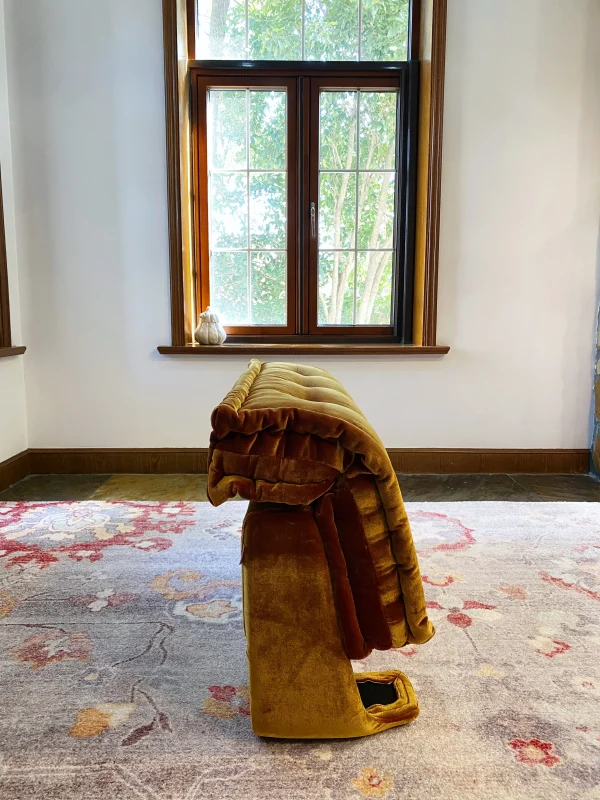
x=313 y=220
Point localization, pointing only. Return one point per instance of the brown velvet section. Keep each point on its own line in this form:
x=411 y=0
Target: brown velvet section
x=354 y=642
x=286 y=433
x=361 y=573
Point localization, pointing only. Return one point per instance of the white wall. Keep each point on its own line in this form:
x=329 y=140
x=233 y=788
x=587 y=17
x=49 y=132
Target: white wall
x=521 y=201
x=13 y=426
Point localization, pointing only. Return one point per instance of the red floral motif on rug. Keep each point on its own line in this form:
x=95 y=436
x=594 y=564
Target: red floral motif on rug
x=43 y=649
x=534 y=752
x=227 y=701
x=32 y=533
x=434 y=532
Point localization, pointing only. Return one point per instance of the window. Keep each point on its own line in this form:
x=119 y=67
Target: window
x=304 y=172
x=247 y=197
x=303 y=223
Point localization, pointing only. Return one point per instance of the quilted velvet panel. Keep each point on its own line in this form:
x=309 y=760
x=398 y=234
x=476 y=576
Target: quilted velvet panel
x=291 y=434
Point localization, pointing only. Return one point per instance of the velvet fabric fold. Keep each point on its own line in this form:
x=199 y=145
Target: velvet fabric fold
x=291 y=434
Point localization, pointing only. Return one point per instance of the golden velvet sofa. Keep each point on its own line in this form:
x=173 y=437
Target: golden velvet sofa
x=329 y=568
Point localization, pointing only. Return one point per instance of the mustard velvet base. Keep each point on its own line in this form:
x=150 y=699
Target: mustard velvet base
x=302 y=685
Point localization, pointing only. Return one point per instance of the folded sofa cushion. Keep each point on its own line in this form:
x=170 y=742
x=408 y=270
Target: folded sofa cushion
x=289 y=433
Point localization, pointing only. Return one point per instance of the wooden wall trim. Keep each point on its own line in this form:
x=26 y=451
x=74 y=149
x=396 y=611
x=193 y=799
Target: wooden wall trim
x=5 y=334
x=194 y=460
x=177 y=109
x=432 y=54
x=452 y=461
x=14 y=469
x=449 y=461
x=91 y=461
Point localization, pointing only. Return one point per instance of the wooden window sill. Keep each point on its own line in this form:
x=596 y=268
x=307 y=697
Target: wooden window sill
x=308 y=348
x=6 y=352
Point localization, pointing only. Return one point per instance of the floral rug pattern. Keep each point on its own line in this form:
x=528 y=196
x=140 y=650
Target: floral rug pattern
x=123 y=671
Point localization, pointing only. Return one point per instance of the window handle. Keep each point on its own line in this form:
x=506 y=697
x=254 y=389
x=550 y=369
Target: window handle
x=313 y=220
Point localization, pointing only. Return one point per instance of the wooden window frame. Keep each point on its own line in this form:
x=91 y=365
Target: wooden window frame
x=202 y=80
x=6 y=346
x=384 y=77
x=427 y=45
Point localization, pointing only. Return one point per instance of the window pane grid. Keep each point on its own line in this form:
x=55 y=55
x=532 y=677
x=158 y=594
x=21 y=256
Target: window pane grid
x=217 y=170
x=245 y=249
x=356 y=242
x=303 y=30
x=356 y=250
x=351 y=171
x=248 y=205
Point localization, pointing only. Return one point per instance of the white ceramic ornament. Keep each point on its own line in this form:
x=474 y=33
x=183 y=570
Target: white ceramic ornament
x=209 y=330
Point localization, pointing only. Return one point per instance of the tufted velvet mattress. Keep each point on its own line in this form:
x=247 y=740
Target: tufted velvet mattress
x=291 y=435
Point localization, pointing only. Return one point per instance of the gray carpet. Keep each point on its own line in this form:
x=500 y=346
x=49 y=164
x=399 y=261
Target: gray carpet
x=123 y=673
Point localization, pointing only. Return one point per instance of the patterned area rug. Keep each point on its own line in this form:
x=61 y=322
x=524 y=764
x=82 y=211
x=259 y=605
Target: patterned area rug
x=123 y=674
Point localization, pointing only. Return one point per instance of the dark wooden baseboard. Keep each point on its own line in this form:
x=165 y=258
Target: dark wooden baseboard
x=451 y=461
x=14 y=469
x=145 y=460
x=167 y=460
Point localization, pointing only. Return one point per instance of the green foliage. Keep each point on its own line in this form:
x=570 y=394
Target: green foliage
x=229 y=292
x=384 y=30
x=331 y=29
x=275 y=30
x=268 y=288
x=356 y=209
x=342 y=311
x=229 y=220
x=247 y=134
x=227 y=124
x=267 y=130
x=267 y=211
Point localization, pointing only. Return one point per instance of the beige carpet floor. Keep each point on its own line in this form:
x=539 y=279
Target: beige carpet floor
x=123 y=674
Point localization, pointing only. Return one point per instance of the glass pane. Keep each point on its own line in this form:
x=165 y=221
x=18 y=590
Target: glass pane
x=268 y=210
x=269 y=297
x=228 y=210
x=336 y=288
x=272 y=29
x=337 y=210
x=384 y=30
x=337 y=130
x=267 y=130
x=378 y=130
x=222 y=29
x=374 y=288
x=229 y=286
x=247 y=132
x=331 y=30
x=376 y=210
x=227 y=124
x=275 y=30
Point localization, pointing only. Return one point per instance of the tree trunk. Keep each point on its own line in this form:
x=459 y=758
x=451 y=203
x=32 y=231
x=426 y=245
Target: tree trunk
x=218 y=26
x=339 y=282
x=374 y=264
